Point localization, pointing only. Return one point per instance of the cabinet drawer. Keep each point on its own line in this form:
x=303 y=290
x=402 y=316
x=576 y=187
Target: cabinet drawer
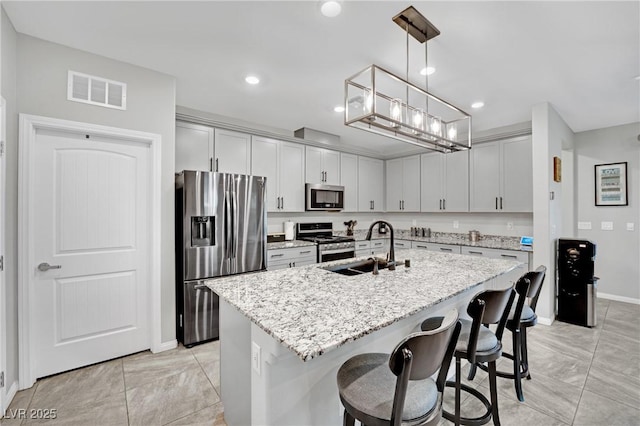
x=363 y=245
x=290 y=257
x=444 y=248
x=520 y=256
x=402 y=244
x=419 y=245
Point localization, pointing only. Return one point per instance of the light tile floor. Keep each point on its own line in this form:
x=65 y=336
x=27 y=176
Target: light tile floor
x=581 y=377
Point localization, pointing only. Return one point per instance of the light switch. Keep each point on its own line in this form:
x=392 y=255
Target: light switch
x=606 y=226
x=584 y=225
x=630 y=226
x=509 y=225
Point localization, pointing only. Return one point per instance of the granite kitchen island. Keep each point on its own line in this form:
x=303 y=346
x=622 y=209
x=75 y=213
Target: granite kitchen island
x=285 y=333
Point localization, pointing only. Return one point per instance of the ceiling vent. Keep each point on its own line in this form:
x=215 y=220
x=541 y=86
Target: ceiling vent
x=99 y=91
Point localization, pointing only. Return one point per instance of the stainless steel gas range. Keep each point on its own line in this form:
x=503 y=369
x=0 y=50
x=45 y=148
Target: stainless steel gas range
x=330 y=247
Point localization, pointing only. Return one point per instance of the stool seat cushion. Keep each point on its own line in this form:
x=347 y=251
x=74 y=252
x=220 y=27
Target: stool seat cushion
x=486 y=339
x=366 y=383
x=527 y=312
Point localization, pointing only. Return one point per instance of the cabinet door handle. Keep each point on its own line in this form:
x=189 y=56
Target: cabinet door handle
x=496 y=203
x=210 y=164
x=373 y=205
x=419 y=246
x=305 y=252
x=500 y=203
x=510 y=256
x=444 y=204
x=277 y=255
x=475 y=252
x=445 y=249
x=440 y=207
x=282 y=202
x=289 y=264
x=216 y=164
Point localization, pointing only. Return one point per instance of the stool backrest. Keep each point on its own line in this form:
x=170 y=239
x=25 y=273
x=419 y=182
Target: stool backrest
x=488 y=307
x=537 y=278
x=522 y=287
x=427 y=348
x=419 y=355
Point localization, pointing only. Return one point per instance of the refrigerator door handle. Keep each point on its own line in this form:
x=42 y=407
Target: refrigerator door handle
x=227 y=224
x=236 y=220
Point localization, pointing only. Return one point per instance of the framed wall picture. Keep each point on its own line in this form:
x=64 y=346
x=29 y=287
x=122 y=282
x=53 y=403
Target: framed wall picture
x=611 y=184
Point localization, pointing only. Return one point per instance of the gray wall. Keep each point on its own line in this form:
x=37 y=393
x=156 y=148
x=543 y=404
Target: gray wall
x=618 y=251
x=42 y=83
x=8 y=88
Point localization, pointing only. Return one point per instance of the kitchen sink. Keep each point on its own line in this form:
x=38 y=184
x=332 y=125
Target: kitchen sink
x=357 y=268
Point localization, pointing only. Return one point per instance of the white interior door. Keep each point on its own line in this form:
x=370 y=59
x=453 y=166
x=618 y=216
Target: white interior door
x=3 y=297
x=89 y=215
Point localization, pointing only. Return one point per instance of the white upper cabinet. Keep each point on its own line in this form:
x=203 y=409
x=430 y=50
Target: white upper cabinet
x=445 y=182
x=194 y=147
x=232 y=152
x=403 y=184
x=283 y=165
x=349 y=179
x=322 y=166
x=501 y=176
x=517 y=175
x=370 y=184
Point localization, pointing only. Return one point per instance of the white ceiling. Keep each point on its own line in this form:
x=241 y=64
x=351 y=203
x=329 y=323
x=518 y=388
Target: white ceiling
x=582 y=57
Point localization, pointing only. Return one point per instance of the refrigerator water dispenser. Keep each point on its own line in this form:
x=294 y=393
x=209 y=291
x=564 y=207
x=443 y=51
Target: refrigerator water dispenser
x=202 y=231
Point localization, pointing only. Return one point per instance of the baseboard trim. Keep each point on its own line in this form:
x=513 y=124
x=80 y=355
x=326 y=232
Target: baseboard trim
x=11 y=392
x=545 y=321
x=165 y=346
x=619 y=298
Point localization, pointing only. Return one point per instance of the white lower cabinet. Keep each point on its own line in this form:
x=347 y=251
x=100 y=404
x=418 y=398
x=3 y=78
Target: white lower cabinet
x=511 y=277
x=444 y=248
x=374 y=247
x=402 y=244
x=291 y=257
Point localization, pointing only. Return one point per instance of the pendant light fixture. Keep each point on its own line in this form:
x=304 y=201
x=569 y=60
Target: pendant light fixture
x=379 y=101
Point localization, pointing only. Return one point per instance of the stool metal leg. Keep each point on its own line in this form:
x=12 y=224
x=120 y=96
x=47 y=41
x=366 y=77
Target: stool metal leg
x=347 y=419
x=458 y=396
x=472 y=371
x=525 y=354
x=517 y=353
x=494 y=393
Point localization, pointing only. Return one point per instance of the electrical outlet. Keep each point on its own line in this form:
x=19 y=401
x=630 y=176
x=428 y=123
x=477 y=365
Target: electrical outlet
x=456 y=224
x=584 y=225
x=255 y=357
x=510 y=225
x=414 y=222
x=630 y=226
x=606 y=226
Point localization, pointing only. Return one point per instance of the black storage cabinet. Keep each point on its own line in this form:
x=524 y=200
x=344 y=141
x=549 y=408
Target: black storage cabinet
x=577 y=286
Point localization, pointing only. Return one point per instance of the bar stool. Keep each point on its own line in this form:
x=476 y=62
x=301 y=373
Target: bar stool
x=477 y=343
x=522 y=316
x=383 y=389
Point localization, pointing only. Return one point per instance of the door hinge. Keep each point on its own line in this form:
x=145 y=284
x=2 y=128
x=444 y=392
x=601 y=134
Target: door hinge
x=1 y=263
x=1 y=148
x=2 y=379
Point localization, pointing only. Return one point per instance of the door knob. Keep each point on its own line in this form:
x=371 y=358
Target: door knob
x=44 y=266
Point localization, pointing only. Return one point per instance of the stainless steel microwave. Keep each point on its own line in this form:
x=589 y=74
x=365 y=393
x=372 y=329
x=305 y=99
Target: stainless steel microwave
x=324 y=197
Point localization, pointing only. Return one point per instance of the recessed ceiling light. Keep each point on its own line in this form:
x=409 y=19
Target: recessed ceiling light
x=331 y=9
x=339 y=108
x=427 y=71
x=252 y=79
x=477 y=105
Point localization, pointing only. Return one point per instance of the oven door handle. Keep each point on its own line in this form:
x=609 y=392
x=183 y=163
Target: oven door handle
x=338 y=251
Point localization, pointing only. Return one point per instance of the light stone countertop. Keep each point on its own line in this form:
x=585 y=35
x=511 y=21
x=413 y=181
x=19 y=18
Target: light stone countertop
x=486 y=241
x=311 y=310
x=289 y=244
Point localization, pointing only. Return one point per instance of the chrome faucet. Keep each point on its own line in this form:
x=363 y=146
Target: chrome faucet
x=391 y=256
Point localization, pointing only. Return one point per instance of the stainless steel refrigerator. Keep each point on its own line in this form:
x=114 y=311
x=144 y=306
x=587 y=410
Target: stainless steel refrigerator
x=220 y=230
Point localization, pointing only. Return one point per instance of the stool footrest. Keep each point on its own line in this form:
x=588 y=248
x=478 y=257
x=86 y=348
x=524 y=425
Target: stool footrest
x=475 y=421
x=524 y=372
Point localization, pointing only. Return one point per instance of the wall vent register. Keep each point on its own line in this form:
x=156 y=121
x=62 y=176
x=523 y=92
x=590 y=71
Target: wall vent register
x=98 y=91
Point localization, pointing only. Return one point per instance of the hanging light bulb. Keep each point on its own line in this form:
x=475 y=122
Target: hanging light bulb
x=418 y=121
x=368 y=101
x=436 y=126
x=452 y=131
x=395 y=110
